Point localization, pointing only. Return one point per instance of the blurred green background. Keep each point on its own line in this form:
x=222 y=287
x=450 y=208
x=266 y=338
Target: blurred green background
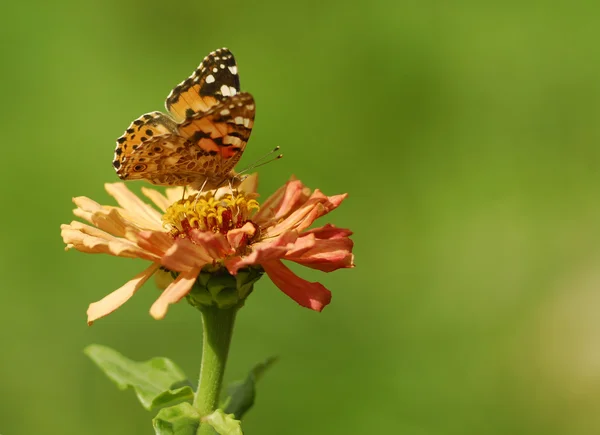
x=466 y=134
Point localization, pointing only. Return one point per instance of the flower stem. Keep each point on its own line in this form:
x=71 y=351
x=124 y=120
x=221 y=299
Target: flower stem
x=216 y=338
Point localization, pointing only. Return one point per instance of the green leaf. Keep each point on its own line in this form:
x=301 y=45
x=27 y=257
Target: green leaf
x=182 y=419
x=242 y=393
x=157 y=382
x=224 y=424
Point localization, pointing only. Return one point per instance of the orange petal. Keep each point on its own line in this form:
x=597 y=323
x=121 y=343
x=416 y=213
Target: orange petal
x=117 y=298
x=311 y=295
x=177 y=290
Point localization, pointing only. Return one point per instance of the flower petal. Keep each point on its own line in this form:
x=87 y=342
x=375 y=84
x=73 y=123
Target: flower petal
x=86 y=238
x=327 y=248
x=216 y=244
x=157 y=242
x=161 y=201
x=110 y=303
x=285 y=199
x=177 y=290
x=311 y=295
x=317 y=205
x=249 y=184
x=184 y=255
x=325 y=255
x=137 y=210
x=263 y=251
x=236 y=236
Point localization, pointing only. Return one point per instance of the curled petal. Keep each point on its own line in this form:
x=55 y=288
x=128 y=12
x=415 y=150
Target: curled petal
x=176 y=290
x=325 y=255
x=329 y=231
x=263 y=251
x=110 y=303
x=92 y=240
x=311 y=295
x=238 y=235
x=327 y=248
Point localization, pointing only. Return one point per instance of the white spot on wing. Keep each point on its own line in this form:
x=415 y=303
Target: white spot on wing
x=225 y=90
x=239 y=120
x=225 y=112
x=210 y=79
x=233 y=69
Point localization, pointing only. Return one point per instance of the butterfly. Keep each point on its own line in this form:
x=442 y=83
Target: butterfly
x=200 y=140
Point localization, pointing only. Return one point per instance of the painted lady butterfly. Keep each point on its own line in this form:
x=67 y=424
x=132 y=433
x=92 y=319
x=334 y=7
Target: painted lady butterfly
x=203 y=138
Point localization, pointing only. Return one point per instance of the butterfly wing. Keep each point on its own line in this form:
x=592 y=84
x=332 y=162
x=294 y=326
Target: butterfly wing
x=143 y=129
x=167 y=160
x=223 y=131
x=215 y=80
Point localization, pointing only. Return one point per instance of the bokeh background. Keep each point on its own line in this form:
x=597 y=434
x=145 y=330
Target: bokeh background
x=466 y=134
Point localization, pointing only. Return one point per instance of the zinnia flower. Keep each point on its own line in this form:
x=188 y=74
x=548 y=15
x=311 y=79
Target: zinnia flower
x=211 y=229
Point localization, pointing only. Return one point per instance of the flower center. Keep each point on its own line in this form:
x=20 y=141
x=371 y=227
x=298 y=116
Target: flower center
x=205 y=212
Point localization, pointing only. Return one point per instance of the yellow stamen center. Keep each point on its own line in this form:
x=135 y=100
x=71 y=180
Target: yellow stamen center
x=204 y=212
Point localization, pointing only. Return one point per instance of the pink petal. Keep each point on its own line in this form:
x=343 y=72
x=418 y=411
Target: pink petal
x=311 y=295
x=117 y=298
x=327 y=249
x=316 y=206
x=216 y=244
x=238 y=235
x=285 y=199
x=325 y=255
x=177 y=290
x=263 y=251
x=329 y=231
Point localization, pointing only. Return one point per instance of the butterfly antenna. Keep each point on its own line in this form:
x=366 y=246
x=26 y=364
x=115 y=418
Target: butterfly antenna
x=260 y=161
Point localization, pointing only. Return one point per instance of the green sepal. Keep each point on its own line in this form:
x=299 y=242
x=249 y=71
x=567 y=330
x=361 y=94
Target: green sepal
x=241 y=394
x=157 y=382
x=216 y=286
x=223 y=424
x=182 y=419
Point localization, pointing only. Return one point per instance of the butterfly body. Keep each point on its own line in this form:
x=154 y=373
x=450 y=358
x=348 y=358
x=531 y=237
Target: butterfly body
x=202 y=138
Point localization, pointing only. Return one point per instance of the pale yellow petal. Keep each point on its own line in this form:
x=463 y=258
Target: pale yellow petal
x=117 y=298
x=86 y=238
x=177 y=290
x=132 y=204
x=157 y=198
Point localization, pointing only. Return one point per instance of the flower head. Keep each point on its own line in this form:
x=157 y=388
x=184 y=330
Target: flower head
x=220 y=230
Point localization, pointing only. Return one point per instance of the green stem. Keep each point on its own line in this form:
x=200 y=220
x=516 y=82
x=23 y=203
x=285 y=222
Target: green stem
x=216 y=338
